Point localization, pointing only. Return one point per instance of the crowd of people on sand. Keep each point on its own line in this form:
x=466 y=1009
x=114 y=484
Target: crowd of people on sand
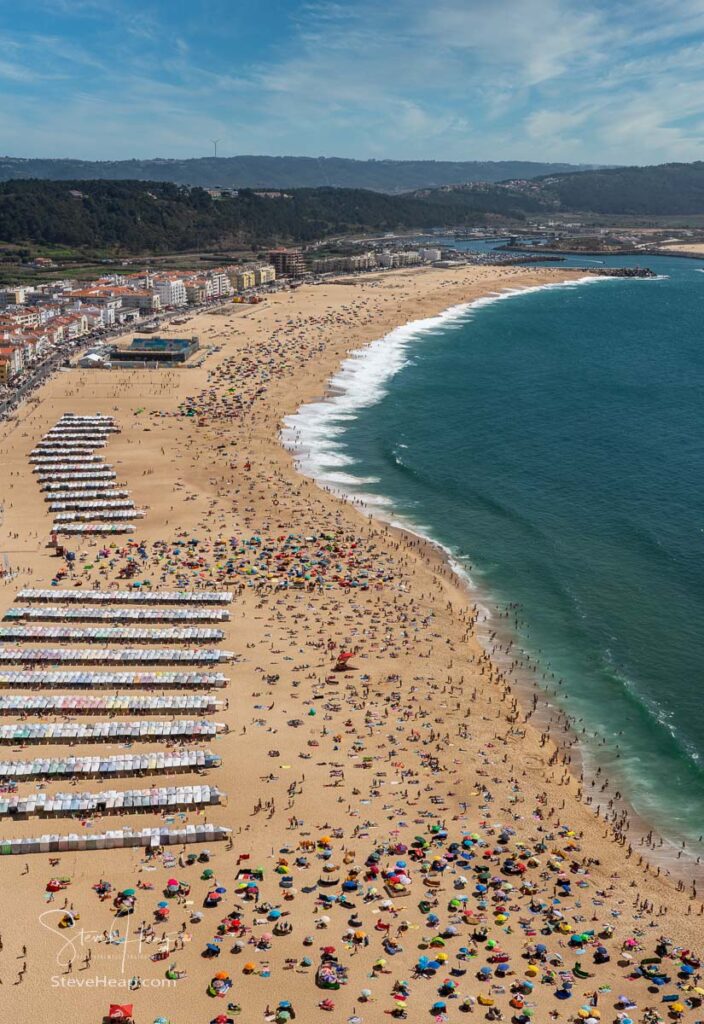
x=261 y=561
x=404 y=844
x=492 y=911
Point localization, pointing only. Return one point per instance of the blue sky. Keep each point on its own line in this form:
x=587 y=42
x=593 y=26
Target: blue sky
x=613 y=81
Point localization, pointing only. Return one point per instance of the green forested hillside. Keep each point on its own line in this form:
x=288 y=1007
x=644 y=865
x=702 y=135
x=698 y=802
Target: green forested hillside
x=139 y=217
x=659 y=190
x=157 y=217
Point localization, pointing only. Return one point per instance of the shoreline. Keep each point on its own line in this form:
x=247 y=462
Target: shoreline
x=536 y=699
x=222 y=474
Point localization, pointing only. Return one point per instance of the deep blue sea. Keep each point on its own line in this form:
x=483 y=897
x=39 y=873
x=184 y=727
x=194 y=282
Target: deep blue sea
x=553 y=442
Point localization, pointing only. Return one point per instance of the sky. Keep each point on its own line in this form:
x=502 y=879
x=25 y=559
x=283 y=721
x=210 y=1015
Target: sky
x=604 y=81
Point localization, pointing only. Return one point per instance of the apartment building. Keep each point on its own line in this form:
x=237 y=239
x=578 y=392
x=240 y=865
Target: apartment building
x=196 y=292
x=13 y=296
x=11 y=362
x=389 y=259
x=244 y=280
x=139 y=298
x=171 y=291
x=75 y=325
x=265 y=273
x=23 y=316
x=288 y=262
x=220 y=284
x=344 y=264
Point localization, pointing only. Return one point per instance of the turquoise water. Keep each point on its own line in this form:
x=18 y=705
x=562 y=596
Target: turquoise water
x=554 y=442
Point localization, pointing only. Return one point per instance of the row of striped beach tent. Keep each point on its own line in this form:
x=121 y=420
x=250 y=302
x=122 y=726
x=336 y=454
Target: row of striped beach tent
x=117 y=764
x=60 y=458
x=84 y=430
x=96 y=417
x=85 y=493
x=137 y=595
x=71 y=529
x=50 y=441
x=82 y=504
x=154 y=799
x=105 y=514
x=70 y=475
x=115 y=839
x=115 y=634
x=71 y=488
x=18 y=704
x=55 y=732
x=87 y=438
x=65 y=453
x=53 y=446
x=43 y=463
x=87 y=613
x=100 y=655
x=74 y=679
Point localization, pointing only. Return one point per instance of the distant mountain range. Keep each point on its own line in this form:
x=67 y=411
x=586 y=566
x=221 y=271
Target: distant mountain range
x=284 y=171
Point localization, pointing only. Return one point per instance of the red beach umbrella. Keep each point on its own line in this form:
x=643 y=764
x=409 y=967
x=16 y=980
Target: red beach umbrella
x=122 y=1011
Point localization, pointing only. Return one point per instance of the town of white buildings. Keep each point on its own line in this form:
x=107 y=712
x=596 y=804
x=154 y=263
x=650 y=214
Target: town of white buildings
x=39 y=322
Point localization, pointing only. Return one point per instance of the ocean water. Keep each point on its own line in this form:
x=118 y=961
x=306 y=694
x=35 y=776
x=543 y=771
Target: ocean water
x=553 y=442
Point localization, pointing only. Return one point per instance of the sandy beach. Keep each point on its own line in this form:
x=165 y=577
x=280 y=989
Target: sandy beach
x=695 y=248
x=407 y=812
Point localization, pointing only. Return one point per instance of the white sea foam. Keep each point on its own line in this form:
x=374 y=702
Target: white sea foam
x=369 y=500
x=313 y=431
x=349 y=478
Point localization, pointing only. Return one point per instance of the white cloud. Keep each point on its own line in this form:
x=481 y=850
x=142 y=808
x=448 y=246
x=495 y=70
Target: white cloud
x=458 y=79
